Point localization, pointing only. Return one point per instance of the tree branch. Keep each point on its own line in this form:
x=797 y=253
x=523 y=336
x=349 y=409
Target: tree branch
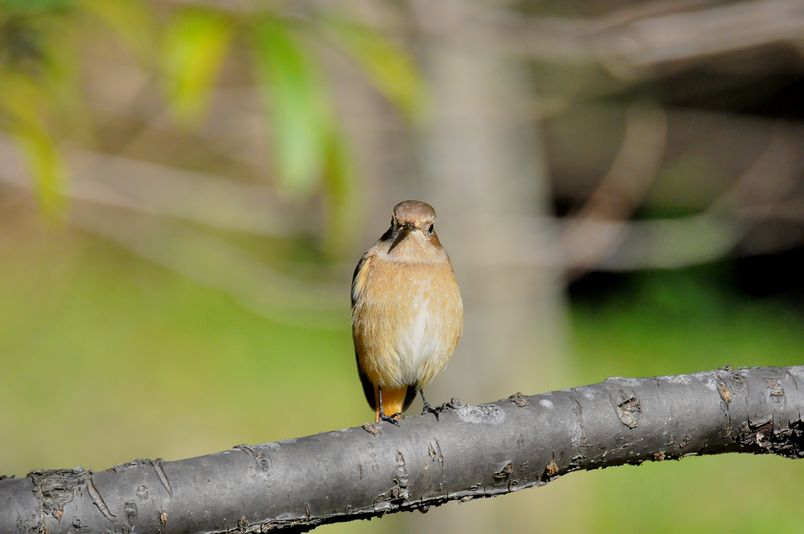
x=470 y=452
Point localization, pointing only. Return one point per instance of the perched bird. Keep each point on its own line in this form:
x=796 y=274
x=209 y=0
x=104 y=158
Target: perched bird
x=407 y=314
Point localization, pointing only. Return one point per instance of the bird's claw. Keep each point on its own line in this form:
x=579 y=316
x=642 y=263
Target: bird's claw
x=426 y=408
x=393 y=419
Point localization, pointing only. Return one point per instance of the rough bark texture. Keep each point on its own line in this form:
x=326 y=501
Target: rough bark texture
x=470 y=452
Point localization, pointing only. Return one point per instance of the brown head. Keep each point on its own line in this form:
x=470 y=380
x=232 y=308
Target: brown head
x=414 y=214
x=412 y=222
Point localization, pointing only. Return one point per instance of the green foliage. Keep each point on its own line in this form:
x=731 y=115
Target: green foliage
x=387 y=65
x=194 y=46
x=296 y=104
x=32 y=73
x=46 y=167
x=31 y=6
x=308 y=150
x=130 y=21
x=666 y=322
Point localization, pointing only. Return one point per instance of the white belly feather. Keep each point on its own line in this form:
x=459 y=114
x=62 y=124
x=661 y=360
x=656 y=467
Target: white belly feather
x=419 y=344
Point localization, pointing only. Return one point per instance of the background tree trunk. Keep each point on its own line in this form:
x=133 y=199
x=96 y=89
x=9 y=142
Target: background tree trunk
x=483 y=160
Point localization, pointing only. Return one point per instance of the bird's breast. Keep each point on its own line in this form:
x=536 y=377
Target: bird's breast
x=407 y=320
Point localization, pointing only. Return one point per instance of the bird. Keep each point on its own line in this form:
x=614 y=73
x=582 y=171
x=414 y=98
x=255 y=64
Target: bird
x=407 y=312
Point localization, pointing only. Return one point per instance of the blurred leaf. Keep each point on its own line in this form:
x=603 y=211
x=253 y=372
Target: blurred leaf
x=194 y=48
x=20 y=97
x=341 y=205
x=131 y=21
x=46 y=167
x=35 y=89
x=21 y=36
x=387 y=65
x=62 y=100
x=297 y=110
x=33 y=5
x=21 y=100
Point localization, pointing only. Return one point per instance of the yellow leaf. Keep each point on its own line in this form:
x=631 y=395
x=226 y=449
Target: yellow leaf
x=193 y=51
x=46 y=168
x=387 y=65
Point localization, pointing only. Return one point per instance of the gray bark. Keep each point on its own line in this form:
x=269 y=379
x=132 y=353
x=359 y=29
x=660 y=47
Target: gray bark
x=469 y=453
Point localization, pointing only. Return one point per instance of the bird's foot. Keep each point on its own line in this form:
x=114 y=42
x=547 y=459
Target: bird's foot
x=426 y=408
x=393 y=419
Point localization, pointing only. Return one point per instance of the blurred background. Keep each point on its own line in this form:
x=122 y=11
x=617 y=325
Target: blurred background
x=185 y=187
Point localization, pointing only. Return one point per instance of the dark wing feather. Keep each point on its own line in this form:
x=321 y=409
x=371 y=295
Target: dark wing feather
x=354 y=277
x=410 y=396
x=368 y=387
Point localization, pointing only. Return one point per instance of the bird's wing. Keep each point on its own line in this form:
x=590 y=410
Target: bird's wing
x=368 y=387
x=354 y=276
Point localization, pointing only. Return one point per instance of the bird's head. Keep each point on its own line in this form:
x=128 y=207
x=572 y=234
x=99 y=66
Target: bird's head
x=412 y=222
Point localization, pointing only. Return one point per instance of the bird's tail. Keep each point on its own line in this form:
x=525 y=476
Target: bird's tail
x=393 y=400
x=397 y=400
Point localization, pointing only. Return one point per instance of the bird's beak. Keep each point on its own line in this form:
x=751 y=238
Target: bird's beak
x=400 y=234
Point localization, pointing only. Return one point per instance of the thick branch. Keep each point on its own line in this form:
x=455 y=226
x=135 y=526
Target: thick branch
x=470 y=452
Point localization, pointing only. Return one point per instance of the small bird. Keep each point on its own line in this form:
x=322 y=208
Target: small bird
x=407 y=314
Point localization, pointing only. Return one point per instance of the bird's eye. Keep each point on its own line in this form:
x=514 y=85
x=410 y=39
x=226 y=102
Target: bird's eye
x=430 y=230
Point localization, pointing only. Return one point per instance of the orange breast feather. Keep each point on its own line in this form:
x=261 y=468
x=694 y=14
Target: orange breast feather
x=407 y=319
